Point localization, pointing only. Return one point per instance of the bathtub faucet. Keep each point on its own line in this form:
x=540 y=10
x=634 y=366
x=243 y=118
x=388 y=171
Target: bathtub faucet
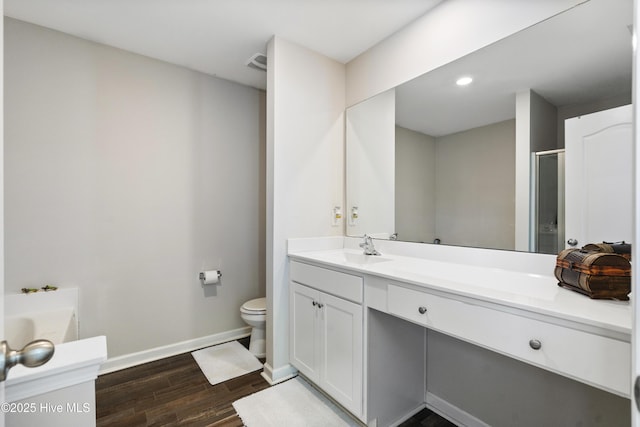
x=368 y=247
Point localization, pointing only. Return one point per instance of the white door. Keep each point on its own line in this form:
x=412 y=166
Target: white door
x=1 y=205
x=635 y=280
x=599 y=177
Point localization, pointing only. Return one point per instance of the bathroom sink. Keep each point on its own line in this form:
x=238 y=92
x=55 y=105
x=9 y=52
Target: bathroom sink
x=362 y=259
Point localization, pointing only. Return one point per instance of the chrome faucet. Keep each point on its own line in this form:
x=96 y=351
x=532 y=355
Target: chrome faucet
x=368 y=247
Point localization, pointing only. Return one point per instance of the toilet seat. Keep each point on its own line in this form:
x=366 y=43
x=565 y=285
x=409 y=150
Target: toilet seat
x=254 y=314
x=255 y=306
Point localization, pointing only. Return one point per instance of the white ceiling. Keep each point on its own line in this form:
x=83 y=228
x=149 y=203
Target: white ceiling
x=217 y=37
x=579 y=56
x=583 y=55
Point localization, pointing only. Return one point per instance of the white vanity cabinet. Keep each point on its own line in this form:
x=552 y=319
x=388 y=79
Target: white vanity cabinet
x=418 y=317
x=326 y=331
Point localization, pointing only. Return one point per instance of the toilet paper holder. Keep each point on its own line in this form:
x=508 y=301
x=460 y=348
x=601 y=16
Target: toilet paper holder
x=210 y=277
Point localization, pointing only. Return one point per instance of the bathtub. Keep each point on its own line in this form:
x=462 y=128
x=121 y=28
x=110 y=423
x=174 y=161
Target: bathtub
x=58 y=326
x=53 y=316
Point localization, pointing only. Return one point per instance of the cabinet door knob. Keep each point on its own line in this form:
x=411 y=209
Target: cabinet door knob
x=422 y=309
x=314 y=303
x=535 y=344
x=320 y=305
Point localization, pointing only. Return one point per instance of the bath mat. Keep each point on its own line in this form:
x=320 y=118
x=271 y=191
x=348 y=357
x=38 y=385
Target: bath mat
x=292 y=403
x=225 y=361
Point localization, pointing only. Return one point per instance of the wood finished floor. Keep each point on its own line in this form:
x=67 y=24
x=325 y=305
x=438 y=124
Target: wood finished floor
x=175 y=392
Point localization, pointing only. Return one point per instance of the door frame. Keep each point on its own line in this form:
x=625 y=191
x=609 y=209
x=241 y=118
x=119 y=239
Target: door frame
x=2 y=396
x=635 y=273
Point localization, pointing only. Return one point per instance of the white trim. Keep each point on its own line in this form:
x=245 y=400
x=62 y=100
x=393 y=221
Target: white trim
x=133 y=359
x=452 y=413
x=279 y=375
x=408 y=415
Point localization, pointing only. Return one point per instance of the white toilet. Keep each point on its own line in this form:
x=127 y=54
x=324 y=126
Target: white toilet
x=254 y=313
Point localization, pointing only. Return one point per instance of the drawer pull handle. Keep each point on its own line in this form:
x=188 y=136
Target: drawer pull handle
x=535 y=344
x=422 y=310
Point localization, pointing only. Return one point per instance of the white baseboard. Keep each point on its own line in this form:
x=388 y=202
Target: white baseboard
x=133 y=359
x=452 y=413
x=279 y=375
x=408 y=415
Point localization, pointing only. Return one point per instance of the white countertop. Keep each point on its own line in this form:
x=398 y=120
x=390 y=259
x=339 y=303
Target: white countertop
x=535 y=293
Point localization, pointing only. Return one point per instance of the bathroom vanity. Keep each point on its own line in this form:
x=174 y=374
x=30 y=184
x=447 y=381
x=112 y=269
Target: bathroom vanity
x=358 y=323
x=325 y=306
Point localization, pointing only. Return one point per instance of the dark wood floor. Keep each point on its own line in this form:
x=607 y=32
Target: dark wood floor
x=174 y=392
x=170 y=392
x=427 y=418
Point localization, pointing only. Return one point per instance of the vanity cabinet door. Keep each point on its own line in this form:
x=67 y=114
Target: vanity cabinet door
x=341 y=337
x=326 y=343
x=305 y=350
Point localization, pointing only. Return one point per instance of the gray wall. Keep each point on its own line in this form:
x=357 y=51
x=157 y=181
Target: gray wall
x=415 y=194
x=544 y=124
x=475 y=188
x=126 y=176
x=462 y=186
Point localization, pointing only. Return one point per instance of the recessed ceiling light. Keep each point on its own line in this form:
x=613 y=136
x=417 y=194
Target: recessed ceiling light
x=463 y=81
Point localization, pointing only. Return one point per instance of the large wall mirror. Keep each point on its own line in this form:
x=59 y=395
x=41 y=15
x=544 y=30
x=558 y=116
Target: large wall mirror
x=435 y=162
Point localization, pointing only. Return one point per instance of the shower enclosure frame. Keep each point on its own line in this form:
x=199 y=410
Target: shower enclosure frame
x=539 y=232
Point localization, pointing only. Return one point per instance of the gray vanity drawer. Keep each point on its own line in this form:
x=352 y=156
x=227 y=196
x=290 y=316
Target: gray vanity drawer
x=340 y=284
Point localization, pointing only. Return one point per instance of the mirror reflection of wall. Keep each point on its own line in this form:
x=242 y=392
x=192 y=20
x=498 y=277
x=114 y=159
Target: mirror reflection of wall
x=416 y=181
x=457 y=188
x=369 y=130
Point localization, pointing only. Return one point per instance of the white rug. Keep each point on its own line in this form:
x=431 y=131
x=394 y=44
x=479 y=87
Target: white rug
x=225 y=361
x=293 y=403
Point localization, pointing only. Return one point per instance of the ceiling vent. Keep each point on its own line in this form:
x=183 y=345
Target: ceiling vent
x=258 y=61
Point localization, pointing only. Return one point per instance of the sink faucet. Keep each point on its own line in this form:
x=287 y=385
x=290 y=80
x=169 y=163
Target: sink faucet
x=368 y=247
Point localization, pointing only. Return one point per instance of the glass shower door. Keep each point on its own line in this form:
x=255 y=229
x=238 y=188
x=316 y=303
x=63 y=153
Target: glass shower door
x=548 y=215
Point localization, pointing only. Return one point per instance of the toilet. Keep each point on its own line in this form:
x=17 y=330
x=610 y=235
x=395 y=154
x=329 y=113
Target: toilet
x=254 y=313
